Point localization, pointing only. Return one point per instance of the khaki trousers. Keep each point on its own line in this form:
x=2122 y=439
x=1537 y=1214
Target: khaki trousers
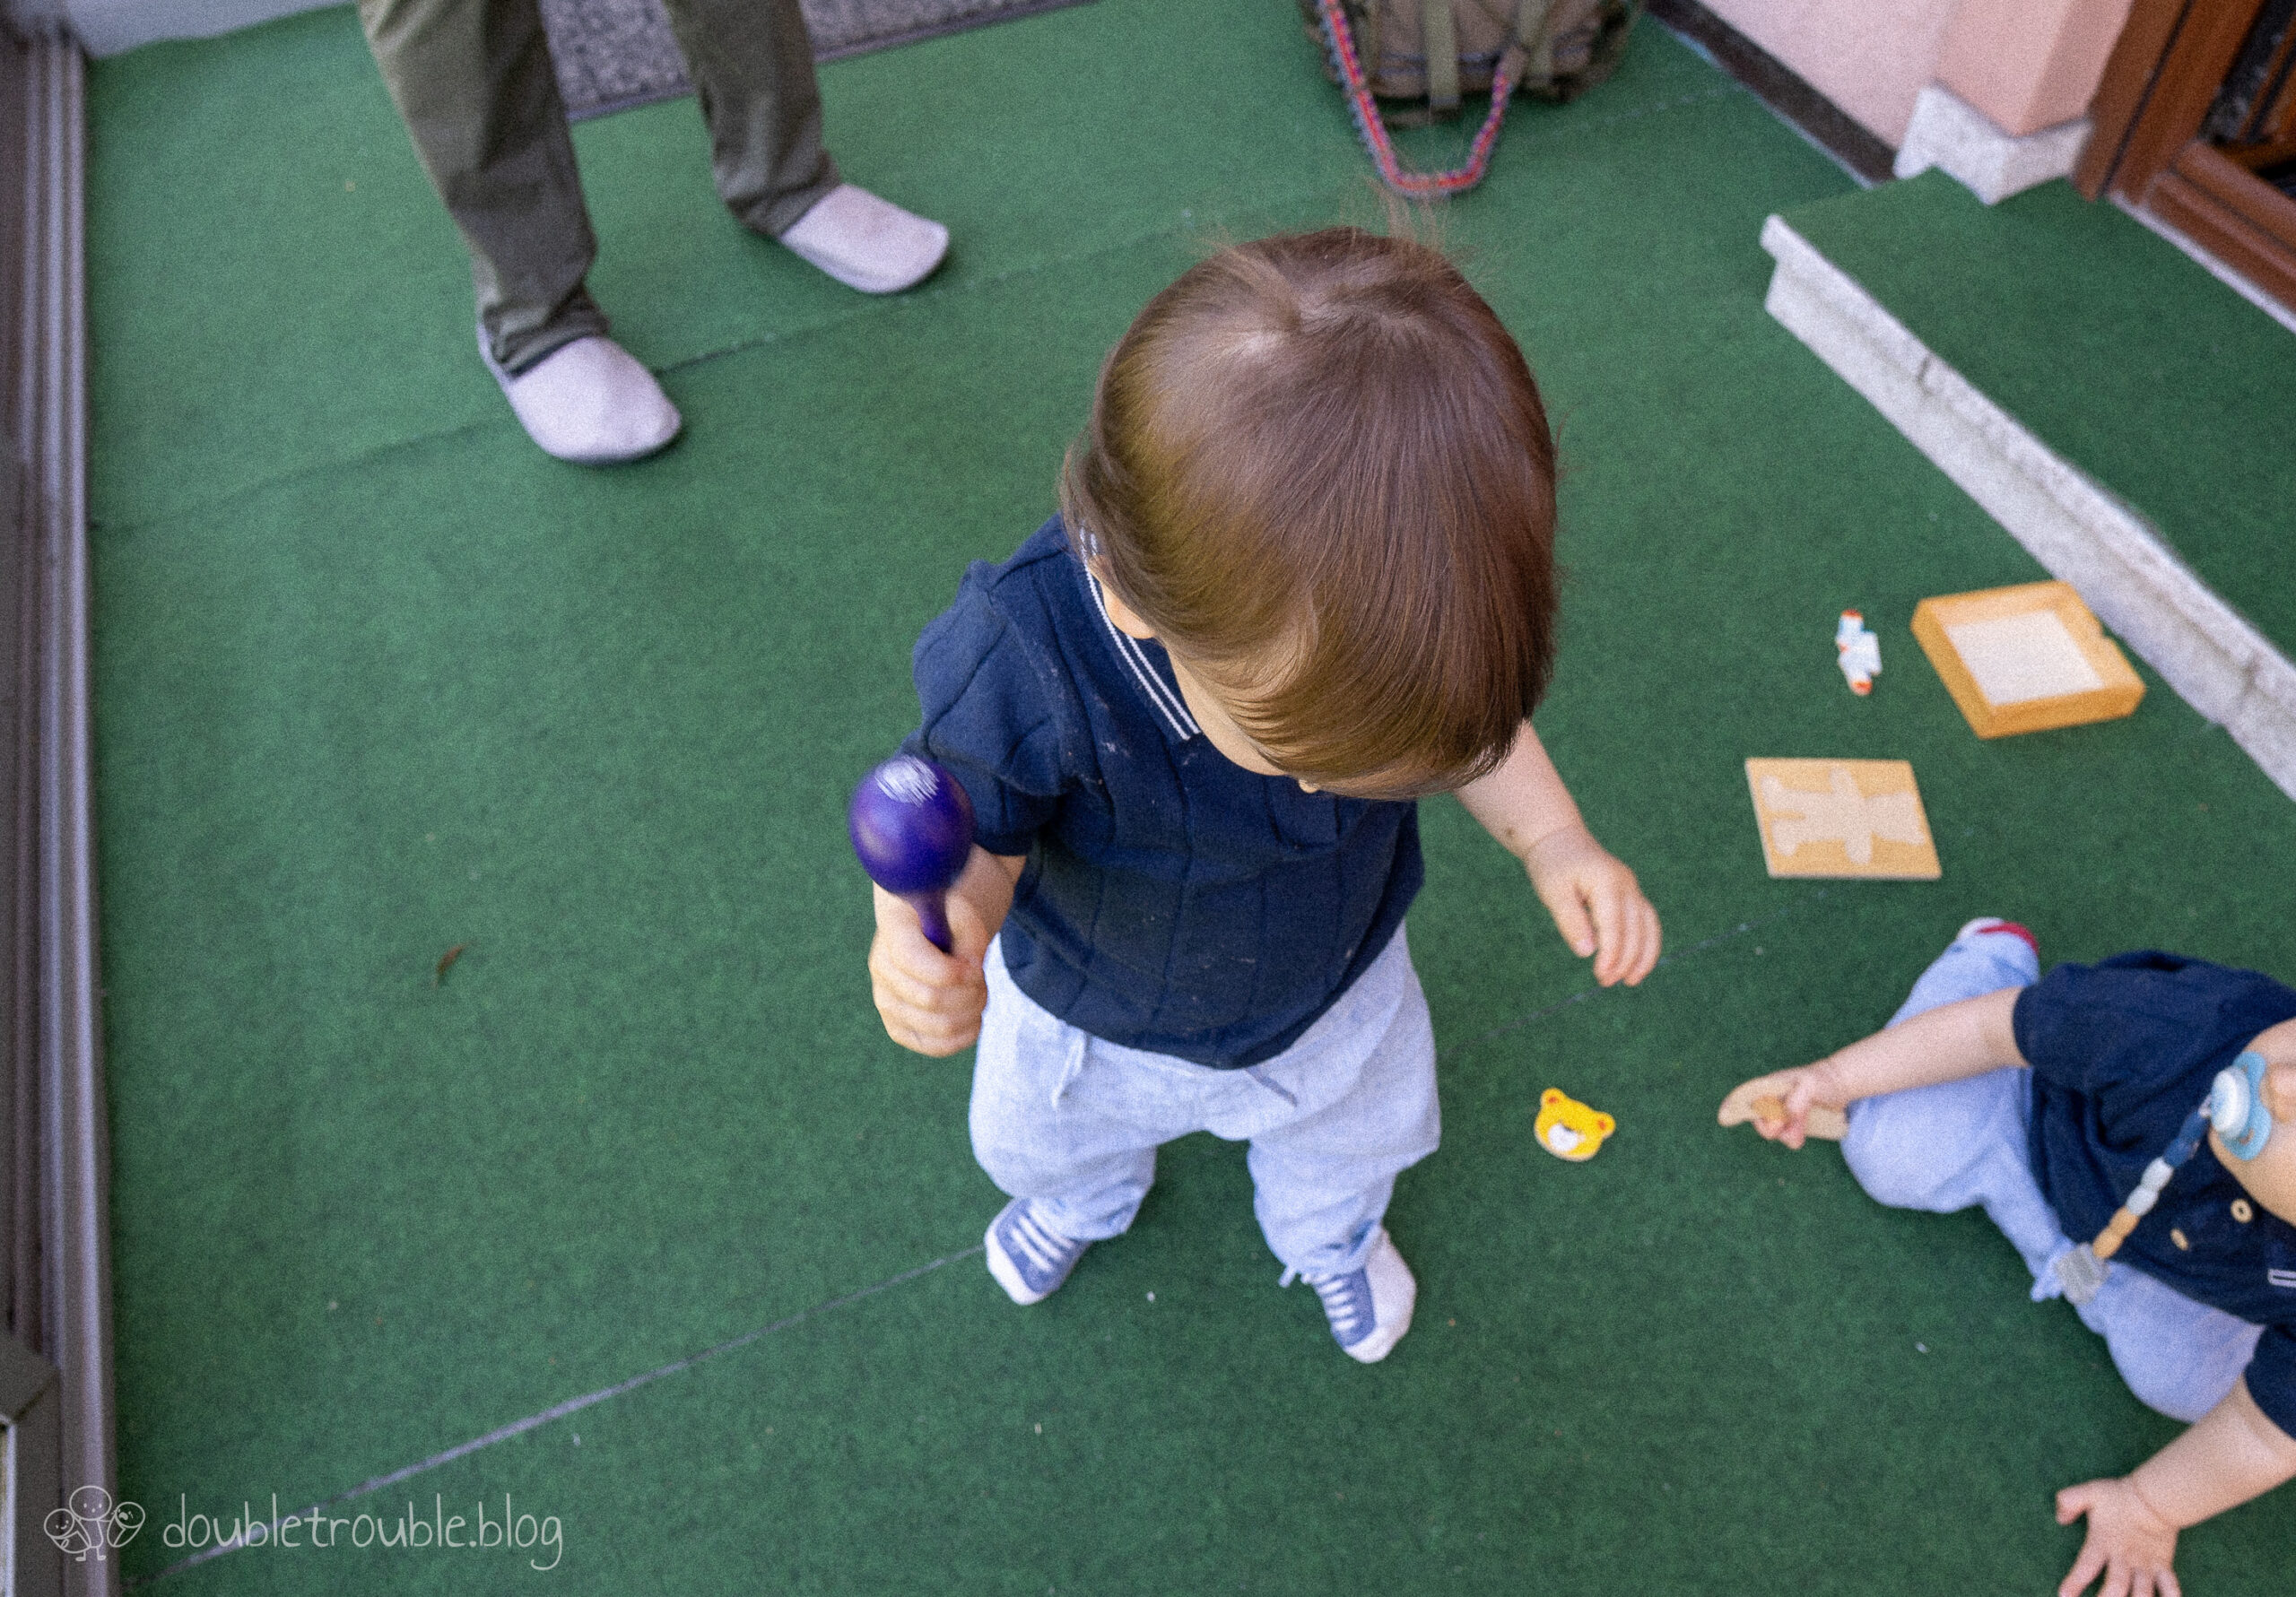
x=472 y=80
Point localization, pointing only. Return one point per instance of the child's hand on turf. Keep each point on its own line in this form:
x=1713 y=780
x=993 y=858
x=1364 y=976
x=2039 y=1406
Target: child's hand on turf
x=931 y=1002
x=2128 y=1543
x=1596 y=903
x=1796 y=1092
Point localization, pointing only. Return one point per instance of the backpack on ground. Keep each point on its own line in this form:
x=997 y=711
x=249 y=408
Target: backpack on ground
x=1435 y=51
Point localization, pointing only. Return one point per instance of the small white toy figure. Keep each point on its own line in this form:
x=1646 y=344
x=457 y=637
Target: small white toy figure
x=1860 y=652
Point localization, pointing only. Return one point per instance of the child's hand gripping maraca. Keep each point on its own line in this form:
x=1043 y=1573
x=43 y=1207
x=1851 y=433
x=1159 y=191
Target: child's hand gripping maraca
x=912 y=827
x=911 y=824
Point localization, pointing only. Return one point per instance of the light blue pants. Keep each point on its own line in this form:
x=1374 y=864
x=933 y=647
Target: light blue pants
x=1946 y=1147
x=1071 y=1122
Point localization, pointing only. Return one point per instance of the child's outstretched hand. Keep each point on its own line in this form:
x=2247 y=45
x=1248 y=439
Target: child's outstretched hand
x=2128 y=1543
x=1596 y=903
x=931 y=1002
x=1790 y=1107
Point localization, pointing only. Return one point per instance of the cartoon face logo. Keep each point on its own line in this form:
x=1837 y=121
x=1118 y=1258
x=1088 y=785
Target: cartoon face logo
x=90 y=1523
x=1568 y=1128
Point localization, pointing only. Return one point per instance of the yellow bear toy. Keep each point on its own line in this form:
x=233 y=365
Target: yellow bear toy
x=1568 y=1128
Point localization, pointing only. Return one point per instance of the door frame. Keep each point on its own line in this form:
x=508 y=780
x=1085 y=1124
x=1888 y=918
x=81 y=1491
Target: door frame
x=2145 y=148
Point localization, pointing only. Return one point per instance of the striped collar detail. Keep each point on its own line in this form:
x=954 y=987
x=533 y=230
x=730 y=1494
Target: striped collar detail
x=1165 y=696
x=2280 y=1278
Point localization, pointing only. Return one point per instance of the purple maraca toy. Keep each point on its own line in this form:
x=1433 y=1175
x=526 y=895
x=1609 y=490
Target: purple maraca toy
x=911 y=824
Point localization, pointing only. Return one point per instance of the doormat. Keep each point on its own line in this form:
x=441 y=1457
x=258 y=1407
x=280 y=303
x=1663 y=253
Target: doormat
x=612 y=55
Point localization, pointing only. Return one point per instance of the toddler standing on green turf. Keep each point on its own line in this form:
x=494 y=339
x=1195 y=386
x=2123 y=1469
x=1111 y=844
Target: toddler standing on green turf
x=1303 y=573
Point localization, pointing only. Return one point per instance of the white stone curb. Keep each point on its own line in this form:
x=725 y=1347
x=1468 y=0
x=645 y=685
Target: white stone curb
x=2078 y=530
x=1947 y=131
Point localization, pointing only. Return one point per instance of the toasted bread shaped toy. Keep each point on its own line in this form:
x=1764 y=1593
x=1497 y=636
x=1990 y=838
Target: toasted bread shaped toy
x=1764 y=1098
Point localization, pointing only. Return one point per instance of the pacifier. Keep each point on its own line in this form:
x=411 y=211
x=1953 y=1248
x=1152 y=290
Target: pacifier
x=2236 y=1106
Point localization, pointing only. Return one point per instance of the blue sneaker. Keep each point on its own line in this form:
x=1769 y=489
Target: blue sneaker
x=1028 y=1258
x=1368 y=1308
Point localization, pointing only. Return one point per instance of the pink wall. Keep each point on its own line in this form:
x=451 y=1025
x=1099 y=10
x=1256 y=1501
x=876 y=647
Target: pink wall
x=2030 y=63
x=2026 y=63
x=1868 y=56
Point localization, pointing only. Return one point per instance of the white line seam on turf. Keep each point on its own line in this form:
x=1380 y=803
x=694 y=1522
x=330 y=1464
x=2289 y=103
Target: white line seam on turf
x=572 y=1405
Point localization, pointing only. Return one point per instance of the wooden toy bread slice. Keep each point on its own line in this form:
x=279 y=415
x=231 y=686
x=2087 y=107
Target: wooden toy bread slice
x=1760 y=1099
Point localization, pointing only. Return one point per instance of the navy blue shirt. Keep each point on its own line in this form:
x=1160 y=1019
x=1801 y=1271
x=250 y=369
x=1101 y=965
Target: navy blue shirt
x=2122 y=1051
x=1172 y=900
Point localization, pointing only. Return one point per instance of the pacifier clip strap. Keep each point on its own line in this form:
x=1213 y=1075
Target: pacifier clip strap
x=2082 y=1271
x=2235 y=1105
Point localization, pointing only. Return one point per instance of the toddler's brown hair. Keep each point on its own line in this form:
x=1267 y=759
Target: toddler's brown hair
x=1319 y=466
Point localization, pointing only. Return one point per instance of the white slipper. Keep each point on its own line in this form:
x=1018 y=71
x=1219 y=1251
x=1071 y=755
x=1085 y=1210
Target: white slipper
x=867 y=243
x=589 y=402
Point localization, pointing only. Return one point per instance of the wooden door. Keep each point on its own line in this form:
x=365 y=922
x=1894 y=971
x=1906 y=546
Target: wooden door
x=2196 y=124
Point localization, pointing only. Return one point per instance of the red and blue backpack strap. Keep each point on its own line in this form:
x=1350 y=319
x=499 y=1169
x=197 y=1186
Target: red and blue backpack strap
x=1354 y=82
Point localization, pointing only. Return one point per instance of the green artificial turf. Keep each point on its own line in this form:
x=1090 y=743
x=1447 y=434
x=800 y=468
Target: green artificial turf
x=376 y=680
x=2122 y=354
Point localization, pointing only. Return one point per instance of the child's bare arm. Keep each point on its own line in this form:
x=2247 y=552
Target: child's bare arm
x=1597 y=904
x=1944 y=1043
x=931 y=1002
x=2232 y=1453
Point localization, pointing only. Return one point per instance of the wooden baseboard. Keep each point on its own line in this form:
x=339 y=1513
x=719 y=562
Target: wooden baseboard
x=2233 y=213
x=1818 y=119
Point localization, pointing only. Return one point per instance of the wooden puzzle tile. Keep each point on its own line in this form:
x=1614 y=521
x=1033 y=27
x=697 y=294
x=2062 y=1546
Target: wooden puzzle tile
x=1842 y=818
x=2025 y=659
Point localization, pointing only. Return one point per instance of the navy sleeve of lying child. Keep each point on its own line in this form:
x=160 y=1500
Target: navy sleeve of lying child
x=2122 y=1052
x=1172 y=900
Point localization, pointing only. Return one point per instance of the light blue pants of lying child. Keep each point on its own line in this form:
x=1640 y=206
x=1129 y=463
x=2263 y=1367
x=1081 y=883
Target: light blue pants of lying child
x=1946 y=1146
x=1071 y=1122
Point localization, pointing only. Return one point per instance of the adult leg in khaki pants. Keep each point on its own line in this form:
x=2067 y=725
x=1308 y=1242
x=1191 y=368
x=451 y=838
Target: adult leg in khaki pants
x=753 y=70
x=473 y=82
